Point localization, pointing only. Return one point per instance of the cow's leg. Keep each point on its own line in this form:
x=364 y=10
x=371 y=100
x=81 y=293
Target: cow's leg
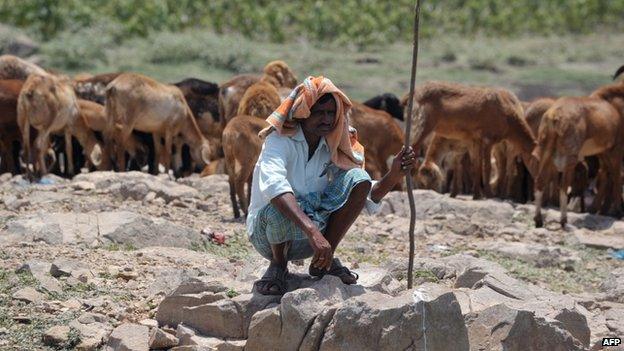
x=157 y=141
x=457 y=175
x=233 y=191
x=177 y=157
x=613 y=201
x=486 y=158
x=543 y=178
x=69 y=150
x=41 y=145
x=602 y=185
x=477 y=167
x=167 y=151
x=121 y=142
x=564 y=184
x=502 y=163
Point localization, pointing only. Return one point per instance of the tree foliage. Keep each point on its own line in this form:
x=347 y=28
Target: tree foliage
x=357 y=21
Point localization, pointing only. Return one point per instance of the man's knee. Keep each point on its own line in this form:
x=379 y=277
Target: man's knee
x=360 y=191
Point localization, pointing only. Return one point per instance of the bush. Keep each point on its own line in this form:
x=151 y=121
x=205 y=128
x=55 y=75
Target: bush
x=360 y=22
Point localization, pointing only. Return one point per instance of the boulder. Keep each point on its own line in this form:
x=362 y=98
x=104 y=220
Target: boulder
x=52 y=228
x=536 y=254
x=601 y=240
x=121 y=227
x=479 y=289
x=431 y=204
x=226 y=318
x=136 y=185
x=189 y=340
x=327 y=317
x=129 y=337
x=172 y=309
x=503 y=328
x=141 y=231
x=207 y=186
x=378 y=279
x=375 y=322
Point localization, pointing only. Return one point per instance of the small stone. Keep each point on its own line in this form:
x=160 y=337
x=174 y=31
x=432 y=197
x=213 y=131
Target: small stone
x=160 y=340
x=83 y=185
x=151 y=323
x=28 y=295
x=56 y=335
x=131 y=337
x=72 y=304
x=127 y=275
x=149 y=197
x=23 y=319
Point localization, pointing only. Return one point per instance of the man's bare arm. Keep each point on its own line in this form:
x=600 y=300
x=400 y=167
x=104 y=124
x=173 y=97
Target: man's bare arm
x=401 y=166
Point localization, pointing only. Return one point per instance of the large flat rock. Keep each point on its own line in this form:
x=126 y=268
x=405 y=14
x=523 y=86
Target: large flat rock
x=121 y=227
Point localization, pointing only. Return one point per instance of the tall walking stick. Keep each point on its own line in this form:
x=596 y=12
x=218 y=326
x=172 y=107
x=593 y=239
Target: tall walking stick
x=408 y=127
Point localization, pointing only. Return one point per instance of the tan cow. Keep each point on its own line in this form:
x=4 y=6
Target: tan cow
x=49 y=105
x=479 y=116
x=231 y=92
x=94 y=117
x=137 y=102
x=572 y=129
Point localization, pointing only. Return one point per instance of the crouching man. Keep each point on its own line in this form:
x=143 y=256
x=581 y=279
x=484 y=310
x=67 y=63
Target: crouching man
x=309 y=185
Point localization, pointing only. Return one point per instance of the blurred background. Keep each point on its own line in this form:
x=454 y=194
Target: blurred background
x=534 y=47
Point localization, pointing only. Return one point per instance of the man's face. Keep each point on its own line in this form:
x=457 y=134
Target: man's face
x=322 y=118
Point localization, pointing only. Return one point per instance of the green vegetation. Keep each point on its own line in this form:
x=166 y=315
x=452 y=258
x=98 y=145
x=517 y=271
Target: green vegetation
x=28 y=335
x=117 y=247
x=232 y=293
x=361 y=22
x=236 y=246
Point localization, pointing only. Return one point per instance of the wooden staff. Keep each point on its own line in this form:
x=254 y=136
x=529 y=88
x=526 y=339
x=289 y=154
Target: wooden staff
x=408 y=127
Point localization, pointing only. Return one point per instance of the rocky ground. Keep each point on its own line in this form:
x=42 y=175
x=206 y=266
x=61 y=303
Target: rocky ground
x=132 y=261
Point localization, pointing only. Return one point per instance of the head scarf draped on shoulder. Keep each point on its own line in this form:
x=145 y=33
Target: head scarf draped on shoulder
x=346 y=151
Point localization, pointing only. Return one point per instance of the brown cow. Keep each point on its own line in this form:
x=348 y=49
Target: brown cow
x=134 y=101
x=379 y=134
x=479 y=116
x=241 y=146
x=231 y=92
x=93 y=88
x=241 y=143
x=573 y=128
x=49 y=105
x=9 y=131
x=94 y=117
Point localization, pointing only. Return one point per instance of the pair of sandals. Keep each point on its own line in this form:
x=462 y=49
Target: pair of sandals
x=274 y=281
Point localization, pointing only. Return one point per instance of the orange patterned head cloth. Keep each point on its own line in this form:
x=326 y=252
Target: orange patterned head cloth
x=346 y=151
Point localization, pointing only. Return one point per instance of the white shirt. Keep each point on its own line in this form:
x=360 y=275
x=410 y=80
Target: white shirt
x=283 y=167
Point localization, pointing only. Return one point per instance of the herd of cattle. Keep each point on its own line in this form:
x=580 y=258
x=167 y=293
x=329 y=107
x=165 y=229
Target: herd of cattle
x=477 y=140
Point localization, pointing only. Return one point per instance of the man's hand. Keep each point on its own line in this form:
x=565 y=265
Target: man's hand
x=402 y=163
x=287 y=205
x=322 y=251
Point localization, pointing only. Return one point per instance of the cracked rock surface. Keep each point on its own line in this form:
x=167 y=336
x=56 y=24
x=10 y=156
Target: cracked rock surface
x=125 y=261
